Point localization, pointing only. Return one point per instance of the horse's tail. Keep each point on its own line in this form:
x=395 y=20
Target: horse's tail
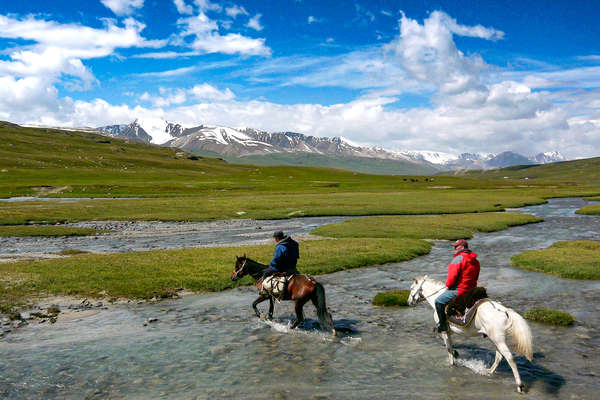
x=324 y=316
x=521 y=334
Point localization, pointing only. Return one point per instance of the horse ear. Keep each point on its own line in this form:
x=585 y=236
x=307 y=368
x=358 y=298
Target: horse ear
x=236 y=258
x=425 y=277
x=415 y=280
x=244 y=255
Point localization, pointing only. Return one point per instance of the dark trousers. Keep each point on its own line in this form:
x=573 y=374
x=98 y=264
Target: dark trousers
x=440 y=304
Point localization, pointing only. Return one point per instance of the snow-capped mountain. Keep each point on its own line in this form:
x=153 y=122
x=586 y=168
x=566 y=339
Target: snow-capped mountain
x=243 y=142
x=548 y=157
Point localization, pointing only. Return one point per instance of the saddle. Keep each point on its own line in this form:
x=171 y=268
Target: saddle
x=276 y=284
x=461 y=309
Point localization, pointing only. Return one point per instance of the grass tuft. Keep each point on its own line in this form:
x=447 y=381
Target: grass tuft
x=570 y=259
x=552 y=317
x=393 y=298
x=593 y=209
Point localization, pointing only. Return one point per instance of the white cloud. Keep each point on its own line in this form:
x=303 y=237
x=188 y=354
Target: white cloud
x=254 y=23
x=183 y=8
x=313 y=20
x=207 y=5
x=207 y=39
x=235 y=10
x=209 y=92
x=167 y=74
x=123 y=7
x=59 y=49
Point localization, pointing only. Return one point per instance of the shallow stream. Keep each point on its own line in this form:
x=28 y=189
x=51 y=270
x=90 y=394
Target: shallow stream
x=212 y=347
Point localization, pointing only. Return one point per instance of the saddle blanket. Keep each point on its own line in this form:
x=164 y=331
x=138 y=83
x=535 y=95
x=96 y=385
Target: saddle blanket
x=464 y=321
x=275 y=285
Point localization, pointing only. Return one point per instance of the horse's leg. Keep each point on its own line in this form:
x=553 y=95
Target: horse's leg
x=492 y=369
x=499 y=341
x=270 y=317
x=298 y=305
x=259 y=300
x=449 y=347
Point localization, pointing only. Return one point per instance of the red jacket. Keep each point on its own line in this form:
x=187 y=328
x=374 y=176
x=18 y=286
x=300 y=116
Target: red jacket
x=463 y=271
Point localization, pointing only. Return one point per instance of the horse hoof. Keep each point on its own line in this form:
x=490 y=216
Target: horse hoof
x=333 y=332
x=520 y=388
x=455 y=354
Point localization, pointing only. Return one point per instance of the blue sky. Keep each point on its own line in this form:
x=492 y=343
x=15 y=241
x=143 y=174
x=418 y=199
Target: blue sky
x=448 y=76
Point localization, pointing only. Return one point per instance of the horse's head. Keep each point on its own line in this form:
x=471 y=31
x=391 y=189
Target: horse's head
x=240 y=268
x=416 y=291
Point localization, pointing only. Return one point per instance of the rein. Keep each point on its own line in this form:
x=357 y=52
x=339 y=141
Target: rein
x=423 y=298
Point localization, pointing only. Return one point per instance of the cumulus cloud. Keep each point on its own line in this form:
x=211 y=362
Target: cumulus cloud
x=207 y=5
x=123 y=7
x=183 y=8
x=207 y=39
x=235 y=10
x=254 y=23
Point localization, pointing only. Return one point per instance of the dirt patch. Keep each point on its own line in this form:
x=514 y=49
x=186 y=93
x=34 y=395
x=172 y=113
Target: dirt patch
x=47 y=189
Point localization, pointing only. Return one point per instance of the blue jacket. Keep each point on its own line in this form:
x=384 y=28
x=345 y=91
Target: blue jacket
x=286 y=255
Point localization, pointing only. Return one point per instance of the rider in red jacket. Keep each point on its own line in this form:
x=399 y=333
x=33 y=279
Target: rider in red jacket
x=463 y=273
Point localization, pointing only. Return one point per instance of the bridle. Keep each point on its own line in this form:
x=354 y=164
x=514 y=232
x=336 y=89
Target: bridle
x=237 y=272
x=419 y=292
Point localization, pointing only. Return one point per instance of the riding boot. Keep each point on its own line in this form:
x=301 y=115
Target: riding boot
x=441 y=313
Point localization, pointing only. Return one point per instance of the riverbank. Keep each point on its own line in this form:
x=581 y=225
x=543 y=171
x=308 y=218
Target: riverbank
x=571 y=259
x=161 y=273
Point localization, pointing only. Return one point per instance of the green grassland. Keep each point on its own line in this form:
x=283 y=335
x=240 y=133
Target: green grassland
x=567 y=172
x=360 y=164
x=47 y=230
x=570 y=259
x=392 y=298
x=179 y=186
x=153 y=273
x=552 y=317
x=425 y=227
x=593 y=209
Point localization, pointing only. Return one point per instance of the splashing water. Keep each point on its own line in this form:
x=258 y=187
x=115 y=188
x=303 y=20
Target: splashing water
x=477 y=366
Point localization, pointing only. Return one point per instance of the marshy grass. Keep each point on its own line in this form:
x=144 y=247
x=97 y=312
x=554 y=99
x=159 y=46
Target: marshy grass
x=392 y=298
x=552 y=317
x=570 y=259
x=593 y=209
x=148 y=274
x=425 y=227
x=47 y=230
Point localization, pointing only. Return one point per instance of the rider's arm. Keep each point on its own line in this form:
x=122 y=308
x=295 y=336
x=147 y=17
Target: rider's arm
x=277 y=257
x=453 y=270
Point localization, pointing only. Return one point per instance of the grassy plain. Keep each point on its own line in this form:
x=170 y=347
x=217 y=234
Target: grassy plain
x=584 y=171
x=392 y=298
x=593 y=209
x=178 y=186
x=153 y=273
x=570 y=259
x=47 y=230
x=425 y=227
x=552 y=317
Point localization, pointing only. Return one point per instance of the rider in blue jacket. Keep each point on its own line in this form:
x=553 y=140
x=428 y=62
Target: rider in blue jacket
x=285 y=257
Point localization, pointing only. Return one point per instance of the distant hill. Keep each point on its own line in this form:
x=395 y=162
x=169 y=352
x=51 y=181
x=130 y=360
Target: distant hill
x=366 y=165
x=586 y=171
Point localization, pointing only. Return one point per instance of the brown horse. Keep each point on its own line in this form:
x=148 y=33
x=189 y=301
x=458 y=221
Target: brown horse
x=300 y=289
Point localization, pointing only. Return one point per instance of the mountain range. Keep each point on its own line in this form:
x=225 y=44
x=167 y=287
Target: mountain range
x=252 y=146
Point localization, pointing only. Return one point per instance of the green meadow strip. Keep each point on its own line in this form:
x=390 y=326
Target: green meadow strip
x=570 y=259
x=425 y=227
x=154 y=273
x=47 y=230
x=594 y=209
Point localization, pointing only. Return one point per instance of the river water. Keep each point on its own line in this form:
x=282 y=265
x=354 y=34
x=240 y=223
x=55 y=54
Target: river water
x=212 y=347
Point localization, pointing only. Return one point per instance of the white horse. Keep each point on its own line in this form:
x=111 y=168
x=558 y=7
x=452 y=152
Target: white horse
x=492 y=319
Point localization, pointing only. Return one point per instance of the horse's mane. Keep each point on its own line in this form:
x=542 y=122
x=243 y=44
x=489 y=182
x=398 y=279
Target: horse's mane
x=431 y=280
